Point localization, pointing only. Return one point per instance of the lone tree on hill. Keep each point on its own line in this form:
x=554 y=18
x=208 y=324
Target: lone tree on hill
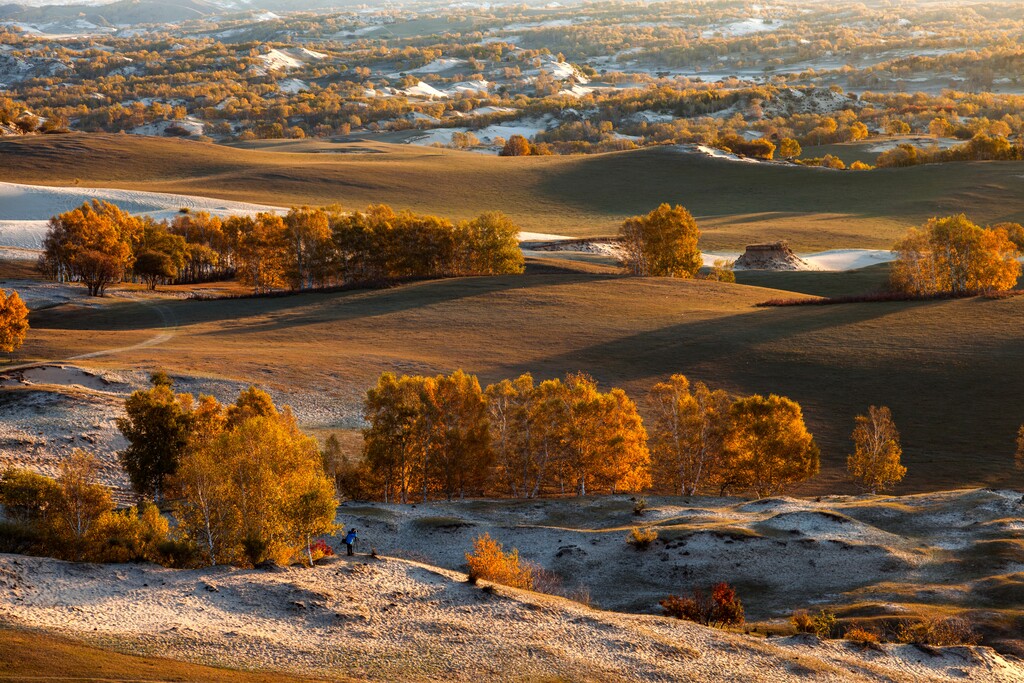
x=516 y=146
x=875 y=462
x=13 y=321
x=662 y=243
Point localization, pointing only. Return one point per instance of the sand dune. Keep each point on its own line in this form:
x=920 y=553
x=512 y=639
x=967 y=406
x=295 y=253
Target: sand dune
x=387 y=619
x=25 y=209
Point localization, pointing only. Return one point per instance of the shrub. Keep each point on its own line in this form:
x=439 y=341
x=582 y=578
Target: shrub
x=178 y=553
x=639 y=507
x=864 y=636
x=321 y=549
x=721 y=608
x=489 y=561
x=802 y=622
x=132 y=535
x=25 y=496
x=937 y=631
x=825 y=624
x=641 y=539
x=19 y=537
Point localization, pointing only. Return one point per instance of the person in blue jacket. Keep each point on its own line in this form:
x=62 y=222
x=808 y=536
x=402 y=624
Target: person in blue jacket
x=350 y=540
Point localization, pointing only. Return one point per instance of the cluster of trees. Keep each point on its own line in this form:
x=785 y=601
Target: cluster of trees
x=73 y=517
x=954 y=256
x=245 y=483
x=13 y=321
x=445 y=437
x=99 y=244
x=979 y=148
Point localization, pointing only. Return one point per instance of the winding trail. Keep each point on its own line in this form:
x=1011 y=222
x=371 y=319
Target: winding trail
x=170 y=327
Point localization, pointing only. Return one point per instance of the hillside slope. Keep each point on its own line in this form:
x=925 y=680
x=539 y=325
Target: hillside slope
x=320 y=352
x=394 y=620
x=738 y=203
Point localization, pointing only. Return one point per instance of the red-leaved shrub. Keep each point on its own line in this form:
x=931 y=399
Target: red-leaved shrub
x=720 y=608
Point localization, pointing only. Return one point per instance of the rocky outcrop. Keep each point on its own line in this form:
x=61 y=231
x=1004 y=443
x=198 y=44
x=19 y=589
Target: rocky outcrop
x=772 y=256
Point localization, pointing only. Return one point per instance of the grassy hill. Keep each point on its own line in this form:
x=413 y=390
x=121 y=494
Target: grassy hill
x=737 y=203
x=950 y=370
x=24 y=654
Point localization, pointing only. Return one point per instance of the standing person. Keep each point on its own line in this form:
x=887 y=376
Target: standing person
x=350 y=540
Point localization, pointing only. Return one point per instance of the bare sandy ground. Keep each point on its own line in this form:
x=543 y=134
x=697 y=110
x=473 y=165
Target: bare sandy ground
x=397 y=620
x=870 y=555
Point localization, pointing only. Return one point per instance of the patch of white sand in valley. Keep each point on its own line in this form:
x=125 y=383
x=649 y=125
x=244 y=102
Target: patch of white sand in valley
x=26 y=209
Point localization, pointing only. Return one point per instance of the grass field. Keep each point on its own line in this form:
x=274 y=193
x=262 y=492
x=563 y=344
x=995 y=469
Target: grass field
x=26 y=655
x=736 y=203
x=950 y=370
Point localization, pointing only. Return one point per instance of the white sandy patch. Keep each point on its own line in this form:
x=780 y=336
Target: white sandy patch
x=722 y=154
x=848 y=259
x=387 y=619
x=26 y=209
x=922 y=142
x=832 y=260
x=745 y=27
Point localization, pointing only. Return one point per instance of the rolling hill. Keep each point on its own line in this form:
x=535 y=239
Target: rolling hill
x=953 y=399
x=736 y=203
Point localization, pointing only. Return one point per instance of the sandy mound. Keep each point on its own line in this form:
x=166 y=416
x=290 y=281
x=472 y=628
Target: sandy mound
x=393 y=620
x=773 y=256
x=602 y=246
x=25 y=209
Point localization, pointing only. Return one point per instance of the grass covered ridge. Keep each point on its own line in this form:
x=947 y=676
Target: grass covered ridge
x=735 y=203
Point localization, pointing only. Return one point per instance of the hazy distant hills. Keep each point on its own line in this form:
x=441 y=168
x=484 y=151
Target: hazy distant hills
x=116 y=13
x=129 y=12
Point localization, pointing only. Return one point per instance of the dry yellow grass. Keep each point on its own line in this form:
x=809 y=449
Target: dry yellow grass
x=736 y=203
x=951 y=399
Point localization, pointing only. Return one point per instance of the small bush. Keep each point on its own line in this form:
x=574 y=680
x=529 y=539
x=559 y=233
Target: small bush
x=641 y=539
x=19 y=537
x=721 y=608
x=864 y=636
x=802 y=622
x=26 y=496
x=321 y=549
x=639 y=507
x=489 y=561
x=178 y=554
x=131 y=535
x=938 y=632
x=825 y=624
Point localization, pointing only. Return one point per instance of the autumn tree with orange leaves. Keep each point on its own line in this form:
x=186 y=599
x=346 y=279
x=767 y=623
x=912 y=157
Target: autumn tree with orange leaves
x=13 y=321
x=954 y=256
x=93 y=244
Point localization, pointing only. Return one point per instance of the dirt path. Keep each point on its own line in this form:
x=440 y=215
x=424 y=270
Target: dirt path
x=170 y=327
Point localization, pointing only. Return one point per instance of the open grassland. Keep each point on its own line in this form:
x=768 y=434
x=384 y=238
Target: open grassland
x=24 y=655
x=950 y=370
x=737 y=203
